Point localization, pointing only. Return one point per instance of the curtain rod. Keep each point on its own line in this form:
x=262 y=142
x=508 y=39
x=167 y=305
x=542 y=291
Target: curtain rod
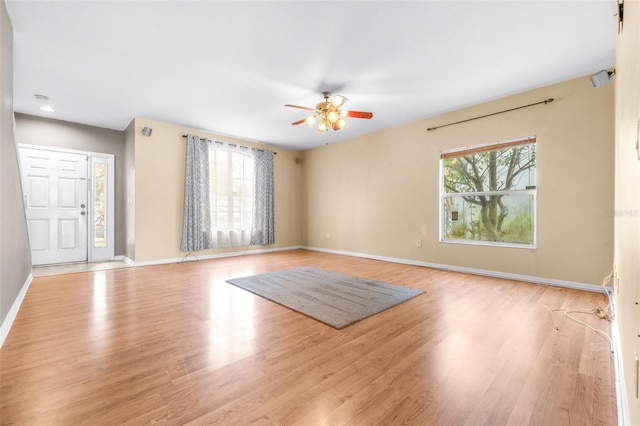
x=546 y=101
x=235 y=144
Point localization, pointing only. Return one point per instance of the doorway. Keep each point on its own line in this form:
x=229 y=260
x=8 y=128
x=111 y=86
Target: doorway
x=69 y=204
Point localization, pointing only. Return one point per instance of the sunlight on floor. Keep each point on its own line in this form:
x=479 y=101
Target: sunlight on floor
x=71 y=268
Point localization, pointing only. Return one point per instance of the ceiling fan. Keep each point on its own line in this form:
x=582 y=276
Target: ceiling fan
x=329 y=114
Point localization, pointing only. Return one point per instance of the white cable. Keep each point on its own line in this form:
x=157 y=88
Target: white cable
x=602 y=313
x=184 y=259
x=568 y=315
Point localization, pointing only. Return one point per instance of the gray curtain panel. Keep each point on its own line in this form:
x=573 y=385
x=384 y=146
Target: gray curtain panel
x=263 y=229
x=196 y=228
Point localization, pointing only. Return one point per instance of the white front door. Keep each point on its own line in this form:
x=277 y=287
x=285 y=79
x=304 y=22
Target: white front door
x=55 y=192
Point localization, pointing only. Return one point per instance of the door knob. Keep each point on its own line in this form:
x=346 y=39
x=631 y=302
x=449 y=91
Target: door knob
x=83 y=213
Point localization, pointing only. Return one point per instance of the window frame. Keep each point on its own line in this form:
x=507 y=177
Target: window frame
x=475 y=149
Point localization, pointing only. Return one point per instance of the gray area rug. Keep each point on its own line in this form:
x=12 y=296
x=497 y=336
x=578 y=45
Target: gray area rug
x=332 y=298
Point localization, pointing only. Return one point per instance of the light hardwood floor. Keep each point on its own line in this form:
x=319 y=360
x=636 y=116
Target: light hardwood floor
x=71 y=268
x=176 y=344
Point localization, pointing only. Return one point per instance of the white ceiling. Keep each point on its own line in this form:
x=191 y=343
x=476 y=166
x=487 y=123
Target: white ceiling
x=230 y=66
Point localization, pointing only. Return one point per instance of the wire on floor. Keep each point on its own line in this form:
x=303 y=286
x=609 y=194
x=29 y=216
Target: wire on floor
x=602 y=312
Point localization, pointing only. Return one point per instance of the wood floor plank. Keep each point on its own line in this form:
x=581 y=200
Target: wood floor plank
x=175 y=344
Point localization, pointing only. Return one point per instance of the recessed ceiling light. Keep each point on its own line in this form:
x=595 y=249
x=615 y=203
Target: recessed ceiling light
x=47 y=108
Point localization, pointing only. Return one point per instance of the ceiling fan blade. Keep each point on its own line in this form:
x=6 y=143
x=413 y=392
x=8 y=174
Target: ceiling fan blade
x=295 y=123
x=300 y=107
x=358 y=114
x=336 y=101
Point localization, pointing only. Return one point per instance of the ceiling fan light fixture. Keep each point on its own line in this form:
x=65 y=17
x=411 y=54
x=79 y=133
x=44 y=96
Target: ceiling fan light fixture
x=310 y=120
x=328 y=114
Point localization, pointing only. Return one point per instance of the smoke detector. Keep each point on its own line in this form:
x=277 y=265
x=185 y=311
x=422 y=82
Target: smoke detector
x=45 y=106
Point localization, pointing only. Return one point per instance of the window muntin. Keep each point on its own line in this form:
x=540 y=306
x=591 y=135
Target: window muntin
x=488 y=194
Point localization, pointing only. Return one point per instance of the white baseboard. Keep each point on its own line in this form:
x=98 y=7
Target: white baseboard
x=474 y=271
x=194 y=257
x=13 y=312
x=621 y=391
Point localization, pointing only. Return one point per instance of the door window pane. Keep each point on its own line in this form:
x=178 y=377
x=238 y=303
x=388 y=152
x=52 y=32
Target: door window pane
x=99 y=205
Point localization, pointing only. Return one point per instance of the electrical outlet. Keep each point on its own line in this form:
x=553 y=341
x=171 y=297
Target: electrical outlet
x=328 y=235
x=418 y=243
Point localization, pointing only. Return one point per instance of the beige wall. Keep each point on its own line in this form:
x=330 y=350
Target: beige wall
x=15 y=264
x=627 y=197
x=33 y=130
x=378 y=194
x=159 y=163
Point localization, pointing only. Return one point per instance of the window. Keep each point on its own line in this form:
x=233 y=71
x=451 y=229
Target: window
x=488 y=194
x=99 y=204
x=231 y=199
x=100 y=207
x=228 y=196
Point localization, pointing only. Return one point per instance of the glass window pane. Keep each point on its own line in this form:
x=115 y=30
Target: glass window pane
x=497 y=170
x=221 y=163
x=221 y=186
x=237 y=165
x=500 y=218
x=99 y=205
x=248 y=169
